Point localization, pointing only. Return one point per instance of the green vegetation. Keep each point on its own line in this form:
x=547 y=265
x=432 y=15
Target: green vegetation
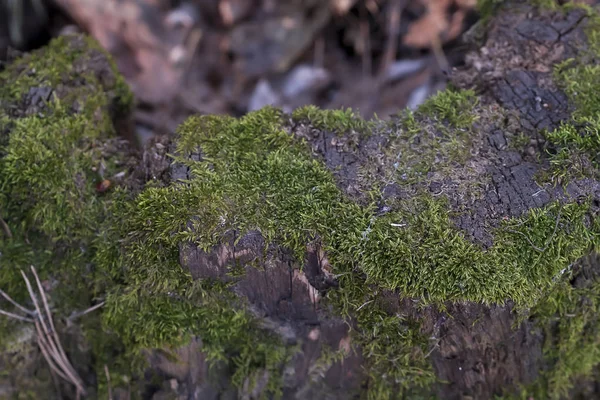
x=257 y=177
x=576 y=143
x=454 y=106
x=437 y=136
x=123 y=246
x=49 y=168
x=99 y=245
x=570 y=318
x=341 y=121
x=569 y=313
x=253 y=176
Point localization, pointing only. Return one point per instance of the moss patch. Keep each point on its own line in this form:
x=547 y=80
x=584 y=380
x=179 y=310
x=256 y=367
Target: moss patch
x=341 y=121
x=569 y=317
x=156 y=304
x=576 y=144
x=256 y=178
x=452 y=106
x=56 y=136
x=253 y=175
x=418 y=147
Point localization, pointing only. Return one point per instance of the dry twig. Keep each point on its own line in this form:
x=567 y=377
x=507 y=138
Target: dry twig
x=110 y=396
x=5 y=228
x=46 y=334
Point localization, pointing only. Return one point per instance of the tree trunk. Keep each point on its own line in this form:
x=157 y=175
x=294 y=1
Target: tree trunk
x=445 y=253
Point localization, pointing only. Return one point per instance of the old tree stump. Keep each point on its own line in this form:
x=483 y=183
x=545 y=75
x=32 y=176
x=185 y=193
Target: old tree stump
x=446 y=253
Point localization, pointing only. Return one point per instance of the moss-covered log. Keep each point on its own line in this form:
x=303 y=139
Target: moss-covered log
x=446 y=253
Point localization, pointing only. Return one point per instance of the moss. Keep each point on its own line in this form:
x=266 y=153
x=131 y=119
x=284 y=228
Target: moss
x=527 y=254
x=394 y=348
x=158 y=305
x=520 y=141
x=425 y=145
x=255 y=178
x=48 y=160
x=103 y=245
x=452 y=106
x=50 y=155
x=569 y=317
x=253 y=175
x=577 y=142
x=340 y=121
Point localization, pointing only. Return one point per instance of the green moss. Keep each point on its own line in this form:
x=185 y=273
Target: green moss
x=486 y=8
x=255 y=178
x=49 y=162
x=409 y=122
x=253 y=175
x=577 y=148
x=577 y=142
x=569 y=316
x=158 y=305
x=452 y=106
x=520 y=141
x=340 y=121
x=435 y=139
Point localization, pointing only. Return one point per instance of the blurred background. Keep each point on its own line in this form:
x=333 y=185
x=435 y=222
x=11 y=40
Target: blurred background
x=235 y=56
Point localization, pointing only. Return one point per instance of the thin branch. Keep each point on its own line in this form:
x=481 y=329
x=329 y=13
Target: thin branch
x=61 y=355
x=110 y=396
x=48 y=313
x=47 y=336
x=35 y=303
x=364 y=304
x=14 y=303
x=84 y=312
x=541 y=250
x=366 y=43
x=5 y=228
x=53 y=349
x=439 y=55
x=46 y=352
x=393 y=32
x=528 y=240
x=15 y=316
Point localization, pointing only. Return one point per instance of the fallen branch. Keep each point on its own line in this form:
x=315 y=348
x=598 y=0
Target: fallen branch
x=46 y=334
